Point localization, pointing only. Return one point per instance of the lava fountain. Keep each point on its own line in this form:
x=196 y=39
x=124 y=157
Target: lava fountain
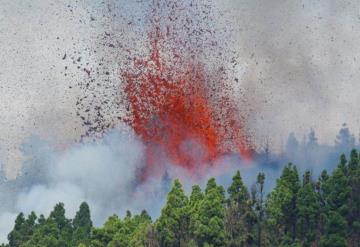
x=180 y=108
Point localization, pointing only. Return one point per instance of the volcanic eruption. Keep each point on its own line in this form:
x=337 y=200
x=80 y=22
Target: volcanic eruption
x=181 y=107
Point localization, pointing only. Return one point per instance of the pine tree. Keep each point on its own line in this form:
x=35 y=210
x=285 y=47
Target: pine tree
x=58 y=216
x=238 y=192
x=354 y=201
x=48 y=233
x=103 y=236
x=82 y=225
x=345 y=140
x=337 y=189
x=321 y=191
x=15 y=236
x=209 y=227
x=281 y=206
x=171 y=224
x=23 y=229
x=258 y=198
x=337 y=192
x=325 y=214
x=140 y=227
x=308 y=207
x=63 y=224
x=196 y=198
x=151 y=237
x=335 y=231
x=240 y=218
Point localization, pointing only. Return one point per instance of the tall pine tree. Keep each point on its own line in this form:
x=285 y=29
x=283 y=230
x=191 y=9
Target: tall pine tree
x=240 y=219
x=82 y=225
x=281 y=207
x=209 y=226
x=171 y=224
x=308 y=208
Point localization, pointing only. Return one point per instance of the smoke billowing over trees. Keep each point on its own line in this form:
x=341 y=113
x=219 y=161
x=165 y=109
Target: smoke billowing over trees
x=308 y=211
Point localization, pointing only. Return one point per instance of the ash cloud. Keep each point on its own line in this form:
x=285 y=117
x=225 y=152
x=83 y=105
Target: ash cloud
x=298 y=68
x=106 y=174
x=103 y=173
x=299 y=65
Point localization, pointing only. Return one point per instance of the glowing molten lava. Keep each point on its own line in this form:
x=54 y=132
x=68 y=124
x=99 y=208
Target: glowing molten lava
x=176 y=111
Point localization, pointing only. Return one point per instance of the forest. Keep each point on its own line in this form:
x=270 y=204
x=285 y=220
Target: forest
x=299 y=211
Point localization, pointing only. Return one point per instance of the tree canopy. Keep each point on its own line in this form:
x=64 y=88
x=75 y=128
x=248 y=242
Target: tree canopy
x=307 y=212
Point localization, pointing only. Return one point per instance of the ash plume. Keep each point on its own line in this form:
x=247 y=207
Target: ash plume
x=293 y=67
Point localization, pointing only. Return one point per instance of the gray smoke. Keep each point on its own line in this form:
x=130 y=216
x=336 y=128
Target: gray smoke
x=298 y=69
x=106 y=174
x=299 y=65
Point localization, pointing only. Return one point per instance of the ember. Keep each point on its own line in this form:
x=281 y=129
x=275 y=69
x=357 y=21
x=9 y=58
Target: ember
x=178 y=107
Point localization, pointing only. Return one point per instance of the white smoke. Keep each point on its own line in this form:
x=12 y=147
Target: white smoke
x=7 y=220
x=298 y=69
x=299 y=65
x=105 y=174
x=102 y=173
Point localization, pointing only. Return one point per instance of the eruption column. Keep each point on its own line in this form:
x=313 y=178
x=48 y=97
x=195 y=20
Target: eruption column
x=180 y=109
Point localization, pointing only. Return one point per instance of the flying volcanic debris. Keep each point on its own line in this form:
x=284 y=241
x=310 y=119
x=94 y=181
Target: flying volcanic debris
x=179 y=89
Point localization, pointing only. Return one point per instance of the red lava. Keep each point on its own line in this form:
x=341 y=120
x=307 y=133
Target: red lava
x=173 y=108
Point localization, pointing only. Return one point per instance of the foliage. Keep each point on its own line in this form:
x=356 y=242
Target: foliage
x=295 y=213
